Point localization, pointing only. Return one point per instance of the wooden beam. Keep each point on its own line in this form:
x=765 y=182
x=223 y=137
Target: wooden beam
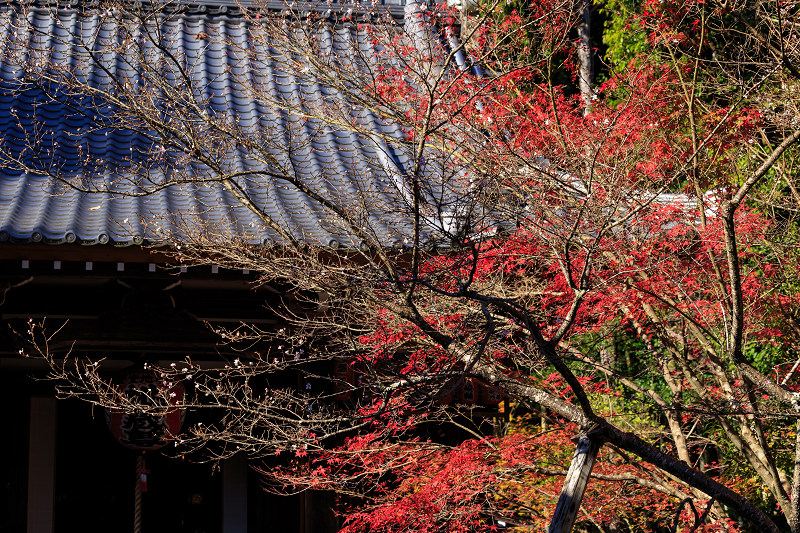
x=42 y=465
x=76 y=252
x=569 y=502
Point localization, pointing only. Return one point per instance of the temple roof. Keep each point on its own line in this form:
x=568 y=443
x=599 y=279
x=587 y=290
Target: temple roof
x=232 y=8
x=46 y=128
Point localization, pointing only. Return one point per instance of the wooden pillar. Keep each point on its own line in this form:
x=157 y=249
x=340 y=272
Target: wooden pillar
x=305 y=512
x=569 y=502
x=234 y=494
x=41 y=465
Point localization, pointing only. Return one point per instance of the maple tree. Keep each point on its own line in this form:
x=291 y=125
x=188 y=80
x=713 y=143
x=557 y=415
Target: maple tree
x=626 y=271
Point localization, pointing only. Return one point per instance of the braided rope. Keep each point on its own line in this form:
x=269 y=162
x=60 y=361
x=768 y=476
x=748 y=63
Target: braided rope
x=137 y=503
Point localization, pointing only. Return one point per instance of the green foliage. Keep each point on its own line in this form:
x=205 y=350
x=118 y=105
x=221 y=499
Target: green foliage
x=765 y=357
x=623 y=36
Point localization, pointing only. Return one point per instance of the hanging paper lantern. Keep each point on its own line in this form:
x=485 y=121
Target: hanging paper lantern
x=143 y=431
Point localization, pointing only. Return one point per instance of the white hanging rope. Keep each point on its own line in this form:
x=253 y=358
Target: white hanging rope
x=137 y=503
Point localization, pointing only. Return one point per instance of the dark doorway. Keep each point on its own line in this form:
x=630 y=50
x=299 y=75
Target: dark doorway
x=96 y=476
x=182 y=497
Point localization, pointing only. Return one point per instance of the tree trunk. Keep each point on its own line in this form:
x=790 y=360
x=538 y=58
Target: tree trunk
x=585 y=57
x=569 y=502
x=794 y=515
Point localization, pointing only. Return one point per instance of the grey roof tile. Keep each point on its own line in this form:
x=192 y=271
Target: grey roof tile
x=35 y=207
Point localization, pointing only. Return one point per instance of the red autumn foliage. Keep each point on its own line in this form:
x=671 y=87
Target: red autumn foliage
x=550 y=240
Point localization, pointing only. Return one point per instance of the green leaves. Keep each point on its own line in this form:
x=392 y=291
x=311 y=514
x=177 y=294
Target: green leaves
x=623 y=34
